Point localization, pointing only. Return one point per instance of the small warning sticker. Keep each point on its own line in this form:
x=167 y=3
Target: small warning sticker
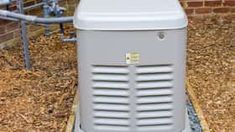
x=132 y=58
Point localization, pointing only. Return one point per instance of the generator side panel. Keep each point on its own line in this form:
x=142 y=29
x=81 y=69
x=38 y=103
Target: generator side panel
x=132 y=81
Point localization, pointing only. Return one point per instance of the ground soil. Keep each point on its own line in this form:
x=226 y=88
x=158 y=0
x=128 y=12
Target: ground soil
x=41 y=99
x=211 y=69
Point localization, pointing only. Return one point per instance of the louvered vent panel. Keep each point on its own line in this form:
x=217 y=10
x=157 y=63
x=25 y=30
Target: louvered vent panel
x=111 y=97
x=154 y=97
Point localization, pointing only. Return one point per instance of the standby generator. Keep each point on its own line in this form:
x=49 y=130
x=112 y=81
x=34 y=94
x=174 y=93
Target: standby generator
x=131 y=61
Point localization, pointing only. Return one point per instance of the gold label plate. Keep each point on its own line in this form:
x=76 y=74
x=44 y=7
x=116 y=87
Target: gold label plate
x=132 y=58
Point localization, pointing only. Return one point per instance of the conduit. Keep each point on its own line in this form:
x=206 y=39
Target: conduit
x=35 y=19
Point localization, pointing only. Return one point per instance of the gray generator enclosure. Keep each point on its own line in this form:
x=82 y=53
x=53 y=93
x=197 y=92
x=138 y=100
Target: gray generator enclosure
x=131 y=57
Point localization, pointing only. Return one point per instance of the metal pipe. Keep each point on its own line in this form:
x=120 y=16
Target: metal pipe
x=46 y=15
x=35 y=19
x=4 y=2
x=17 y=20
x=56 y=20
x=7 y=18
x=24 y=37
x=70 y=40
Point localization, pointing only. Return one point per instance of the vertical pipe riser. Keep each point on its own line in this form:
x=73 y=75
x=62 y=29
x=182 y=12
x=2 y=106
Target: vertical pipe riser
x=24 y=38
x=46 y=15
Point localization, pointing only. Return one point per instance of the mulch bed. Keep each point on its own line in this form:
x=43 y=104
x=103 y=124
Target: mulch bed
x=41 y=99
x=211 y=69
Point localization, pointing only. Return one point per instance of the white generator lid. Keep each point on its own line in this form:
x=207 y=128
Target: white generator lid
x=129 y=15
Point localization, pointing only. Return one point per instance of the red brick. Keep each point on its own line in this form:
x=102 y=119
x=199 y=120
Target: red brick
x=12 y=7
x=213 y=3
x=4 y=22
x=221 y=10
x=229 y=3
x=6 y=37
x=189 y=11
x=195 y=4
x=12 y=26
x=2 y=30
x=233 y=10
x=203 y=10
x=29 y=3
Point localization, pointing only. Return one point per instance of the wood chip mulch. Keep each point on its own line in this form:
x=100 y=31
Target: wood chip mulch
x=211 y=69
x=40 y=99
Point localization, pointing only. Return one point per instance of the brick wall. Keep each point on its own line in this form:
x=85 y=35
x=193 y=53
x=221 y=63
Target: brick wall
x=205 y=7
x=9 y=31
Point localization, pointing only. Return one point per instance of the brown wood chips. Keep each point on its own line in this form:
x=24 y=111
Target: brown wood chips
x=211 y=69
x=41 y=99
